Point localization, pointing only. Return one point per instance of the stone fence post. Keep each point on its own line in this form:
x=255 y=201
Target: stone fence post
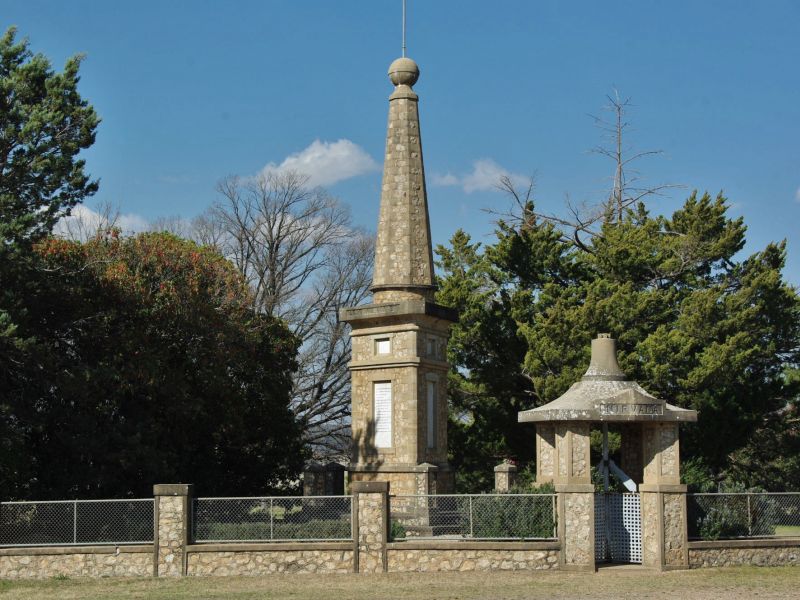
x=427 y=475
x=371 y=525
x=173 y=504
x=505 y=476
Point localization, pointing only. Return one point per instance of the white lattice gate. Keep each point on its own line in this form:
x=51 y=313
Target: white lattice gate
x=618 y=528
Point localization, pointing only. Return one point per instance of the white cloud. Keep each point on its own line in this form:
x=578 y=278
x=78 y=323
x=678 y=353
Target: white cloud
x=485 y=176
x=446 y=179
x=133 y=223
x=325 y=163
x=797 y=195
x=84 y=222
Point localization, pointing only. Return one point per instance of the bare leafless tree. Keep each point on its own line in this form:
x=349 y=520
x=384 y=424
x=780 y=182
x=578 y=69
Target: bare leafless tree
x=303 y=260
x=627 y=188
x=174 y=224
x=208 y=230
x=322 y=390
x=582 y=221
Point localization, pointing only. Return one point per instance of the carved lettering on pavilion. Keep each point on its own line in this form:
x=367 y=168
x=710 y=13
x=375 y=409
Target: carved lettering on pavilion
x=624 y=409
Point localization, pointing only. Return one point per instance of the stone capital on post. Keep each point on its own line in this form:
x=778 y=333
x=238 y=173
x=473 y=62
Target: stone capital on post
x=172 y=506
x=505 y=476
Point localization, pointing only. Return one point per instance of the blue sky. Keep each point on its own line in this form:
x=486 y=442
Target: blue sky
x=190 y=92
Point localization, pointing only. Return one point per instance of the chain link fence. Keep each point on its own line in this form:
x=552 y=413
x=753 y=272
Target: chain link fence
x=301 y=518
x=76 y=522
x=715 y=516
x=475 y=517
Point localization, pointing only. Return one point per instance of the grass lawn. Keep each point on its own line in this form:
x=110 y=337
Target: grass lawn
x=738 y=583
x=787 y=530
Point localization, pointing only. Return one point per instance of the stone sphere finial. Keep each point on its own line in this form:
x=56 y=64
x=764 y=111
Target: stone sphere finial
x=404 y=71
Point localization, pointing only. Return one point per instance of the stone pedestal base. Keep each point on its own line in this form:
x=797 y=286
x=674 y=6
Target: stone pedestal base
x=407 y=480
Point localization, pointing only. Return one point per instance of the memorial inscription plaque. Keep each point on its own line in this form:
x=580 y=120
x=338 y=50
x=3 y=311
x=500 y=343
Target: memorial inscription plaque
x=382 y=393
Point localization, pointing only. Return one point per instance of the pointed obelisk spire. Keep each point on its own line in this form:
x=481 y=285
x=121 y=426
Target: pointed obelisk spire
x=403 y=258
x=399 y=361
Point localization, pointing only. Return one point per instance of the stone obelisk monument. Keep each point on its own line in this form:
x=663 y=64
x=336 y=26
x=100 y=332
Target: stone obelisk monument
x=399 y=362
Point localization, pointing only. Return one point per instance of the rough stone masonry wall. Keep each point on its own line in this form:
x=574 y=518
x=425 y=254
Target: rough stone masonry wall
x=674 y=530
x=545 y=452
x=106 y=561
x=403 y=248
x=170 y=535
x=578 y=540
x=403 y=344
x=371 y=532
x=436 y=560
x=263 y=562
x=403 y=412
x=580 y=450
x=438 y=453
x=736 y=553
x=650 y=540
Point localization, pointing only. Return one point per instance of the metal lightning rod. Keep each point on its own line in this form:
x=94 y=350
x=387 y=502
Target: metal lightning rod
x=404 y=28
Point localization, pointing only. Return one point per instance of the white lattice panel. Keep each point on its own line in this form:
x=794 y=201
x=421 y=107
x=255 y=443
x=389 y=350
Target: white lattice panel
x=620 y=523
x=599 y=528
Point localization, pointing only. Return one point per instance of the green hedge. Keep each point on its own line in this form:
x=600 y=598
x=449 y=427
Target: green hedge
x=511 y=517
x=318 y=529
x=720 y=517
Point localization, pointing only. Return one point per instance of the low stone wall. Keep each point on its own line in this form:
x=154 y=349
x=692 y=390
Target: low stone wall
x=731 y=553
x=472 y=556
x=76 y=561
x=371 y=551
x=262 y=559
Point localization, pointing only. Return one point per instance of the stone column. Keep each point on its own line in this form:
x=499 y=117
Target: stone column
x=505 y=476
x=172 y=520
x=573 y=483
x=371 y=499
x=545 y=452
x=664 y=535
x=427 y=475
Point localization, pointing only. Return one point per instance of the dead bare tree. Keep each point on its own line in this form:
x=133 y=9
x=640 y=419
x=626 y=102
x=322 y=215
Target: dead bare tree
x=303 y=260
x=627 y=189
x=583 y=220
